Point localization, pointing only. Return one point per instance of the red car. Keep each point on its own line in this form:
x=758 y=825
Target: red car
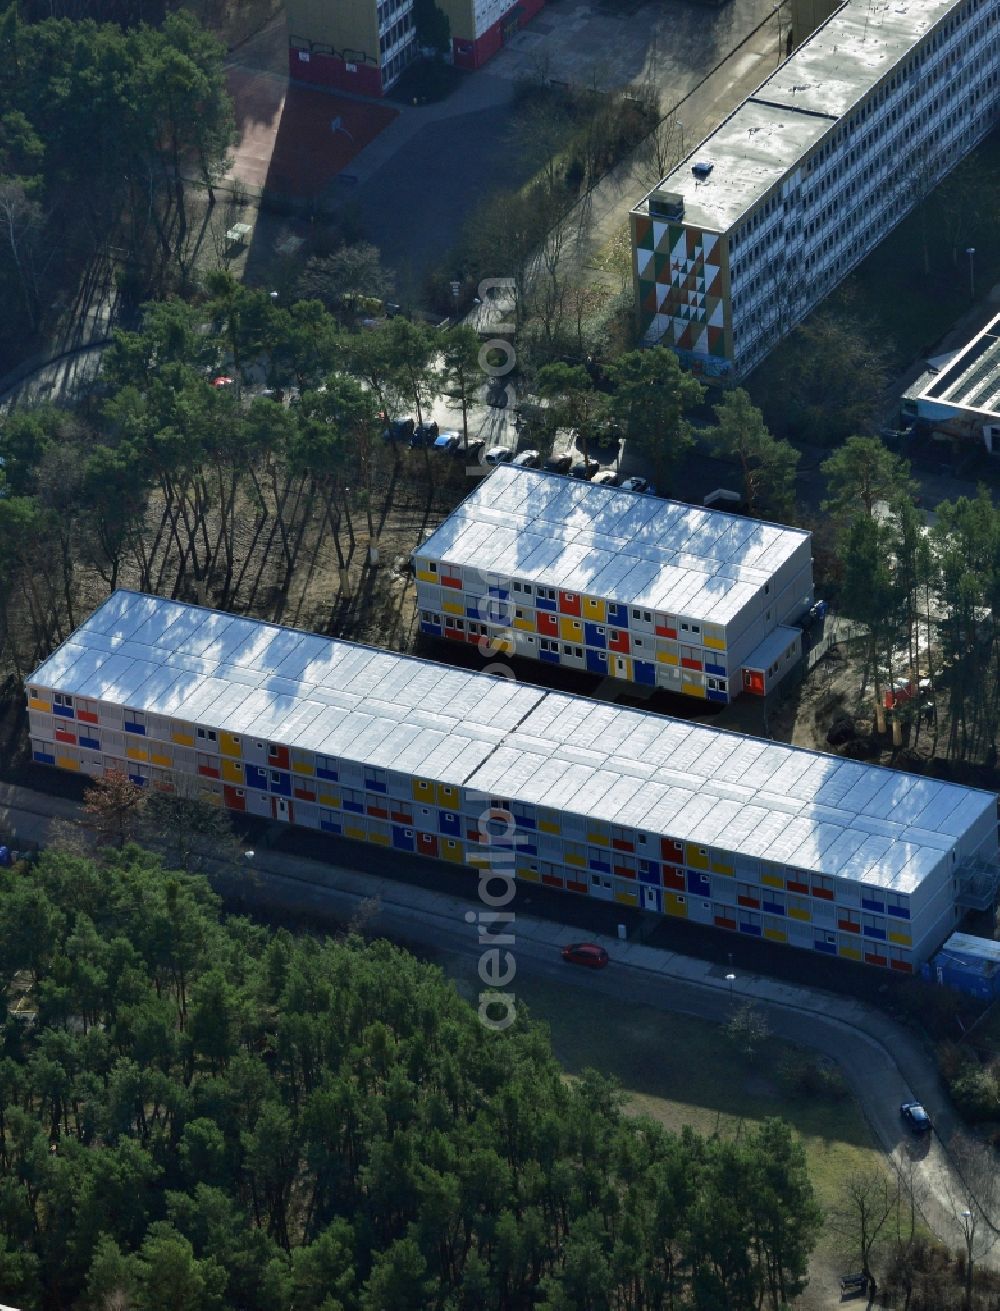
x=586 y=953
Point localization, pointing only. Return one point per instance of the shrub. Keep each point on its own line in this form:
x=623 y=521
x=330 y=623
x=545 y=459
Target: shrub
x=976 y=1094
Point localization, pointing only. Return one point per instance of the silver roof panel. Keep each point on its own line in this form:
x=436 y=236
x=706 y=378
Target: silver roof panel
x=698 y=784
x=563 y=533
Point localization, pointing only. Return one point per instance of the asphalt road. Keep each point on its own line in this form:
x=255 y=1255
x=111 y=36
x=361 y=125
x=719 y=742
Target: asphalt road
x=883 y=1063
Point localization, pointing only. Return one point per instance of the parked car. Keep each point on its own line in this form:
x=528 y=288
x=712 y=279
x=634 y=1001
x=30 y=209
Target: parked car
x=586 y=467
x=915 y=1117
x=448 y=440
x=398 y=430
x=499 y=455
x=605 y=478
x=558 y=463
x=636 y=485
x=424 y=434
x=527 y=460
x=223 y=381
x=588 y=954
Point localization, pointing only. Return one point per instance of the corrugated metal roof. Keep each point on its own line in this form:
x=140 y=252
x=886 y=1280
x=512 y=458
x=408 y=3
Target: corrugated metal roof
x=622 y=766
x=561 y=532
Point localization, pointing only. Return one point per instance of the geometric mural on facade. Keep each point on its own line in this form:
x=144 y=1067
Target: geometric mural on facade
x=680 y=286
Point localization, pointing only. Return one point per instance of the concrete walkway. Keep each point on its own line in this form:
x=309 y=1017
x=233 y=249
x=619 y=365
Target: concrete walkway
x=883 y=1062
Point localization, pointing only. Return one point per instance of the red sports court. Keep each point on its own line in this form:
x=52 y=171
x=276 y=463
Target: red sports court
x=294 y=140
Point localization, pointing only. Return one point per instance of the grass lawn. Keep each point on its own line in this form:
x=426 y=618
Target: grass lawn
x=684 y=1071
x=680 y=1070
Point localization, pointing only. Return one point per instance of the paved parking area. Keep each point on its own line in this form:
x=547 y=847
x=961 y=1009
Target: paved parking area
x=671 y=44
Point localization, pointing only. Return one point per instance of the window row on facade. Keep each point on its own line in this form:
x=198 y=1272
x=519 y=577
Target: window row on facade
x=505 y=596
x=706 y=888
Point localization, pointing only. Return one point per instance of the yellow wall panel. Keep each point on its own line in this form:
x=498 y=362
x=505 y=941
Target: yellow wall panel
x=183 y=739
x=329 y=799
x=693 y=856
x=547 y=826
x=773 y=880
x=352 y=831
x=452 y=852
x=160 y=758
x=692 y=689
x=720 y=867
x=36 y=703
x=231 y=770
x=598 y=839
x=570 y=630
x=578 y=861
x=453 y=607
x=422 y=790
x=303 y=767
x=776 y=935
x=627 y=898
x=229 y=745
x=67 y=762
x=715 y=643
x=597 y=610
x=426 y=576
x=447 y=796
x=380 y=839
x=137 y=753
x=851 y=953
x=901 y=939
x=666 y=658
x=796 y=914
x=529 y=875
x=673 y=905
x=525 y=625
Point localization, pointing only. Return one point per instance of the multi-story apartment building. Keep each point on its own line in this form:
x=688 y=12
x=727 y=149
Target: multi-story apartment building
x=479 y=28
x=632 y=587
x=753 y=837
x=354 y=45
x=806 y=176
x=364 y=45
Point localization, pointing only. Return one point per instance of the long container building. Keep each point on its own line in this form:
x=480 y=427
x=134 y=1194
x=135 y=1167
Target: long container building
x=634 y=587
x=756 y=838
x=801 y=182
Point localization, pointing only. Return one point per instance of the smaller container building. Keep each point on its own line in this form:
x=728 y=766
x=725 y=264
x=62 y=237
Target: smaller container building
x=634 y=587
x=967 y=964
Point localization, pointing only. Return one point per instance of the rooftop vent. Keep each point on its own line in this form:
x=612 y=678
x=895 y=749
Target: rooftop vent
x=702 y=169
x=666 y=204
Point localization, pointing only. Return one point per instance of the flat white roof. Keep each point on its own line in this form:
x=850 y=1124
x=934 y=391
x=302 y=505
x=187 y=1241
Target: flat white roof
x=641 y=550
x=815 y=812
x=773 y=646
x=767 y=135
x=965 y=944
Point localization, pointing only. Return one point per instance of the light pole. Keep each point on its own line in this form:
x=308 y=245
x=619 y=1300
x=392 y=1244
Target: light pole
x=731 y=979
x=971 y=252
x=969 y=1225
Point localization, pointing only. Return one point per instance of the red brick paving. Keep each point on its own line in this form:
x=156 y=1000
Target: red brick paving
x=287 y=145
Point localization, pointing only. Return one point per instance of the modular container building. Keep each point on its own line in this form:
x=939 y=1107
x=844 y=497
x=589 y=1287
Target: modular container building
x=757 y=838
x=634 y=587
